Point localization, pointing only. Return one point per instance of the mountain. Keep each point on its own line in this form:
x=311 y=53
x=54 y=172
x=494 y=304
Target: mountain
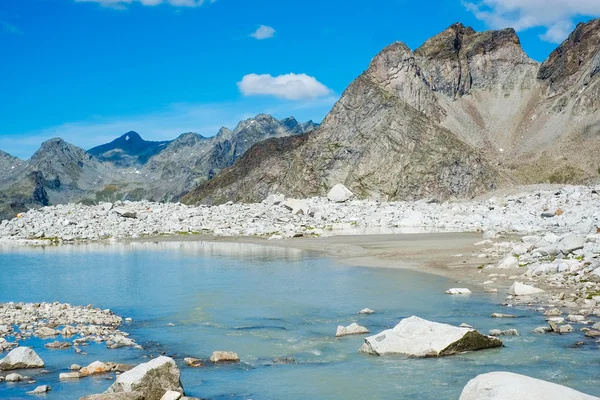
x=192 y=159
x=129 y=168
x=129 y=150
x=465 y=112
x=57 y=173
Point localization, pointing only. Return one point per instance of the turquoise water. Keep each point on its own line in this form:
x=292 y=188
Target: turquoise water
x=269 y=302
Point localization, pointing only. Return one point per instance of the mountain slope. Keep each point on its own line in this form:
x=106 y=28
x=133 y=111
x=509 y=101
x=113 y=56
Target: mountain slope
x=192 y=159
x=129 y=168
x=129 y=150
x=464 y=112
x=57 y=173
x=376 y=144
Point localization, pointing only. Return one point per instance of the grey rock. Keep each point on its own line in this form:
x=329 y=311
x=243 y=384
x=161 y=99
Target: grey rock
x=152 y=379
x=20 y=358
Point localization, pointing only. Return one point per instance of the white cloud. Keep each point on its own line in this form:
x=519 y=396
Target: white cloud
x=557 y=16
x=123 y=3
x=263 y=32
x=289 y=86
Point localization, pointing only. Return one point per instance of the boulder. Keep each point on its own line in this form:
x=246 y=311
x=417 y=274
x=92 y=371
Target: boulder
x=339 y=194
x=151 y=379
x=224 y=356
x=416 y=337
x=46 y=332
x=508 y=263
x=296 y=206
x=65 y=376
x=352 y=329
x=506 y=385
x=454 y=291
x=96 y=368
x=555 y=312
x=171 y=395
x=40 y=390
x=14 y=378
x=20 y=358
x=520 y=289
x=570 y=243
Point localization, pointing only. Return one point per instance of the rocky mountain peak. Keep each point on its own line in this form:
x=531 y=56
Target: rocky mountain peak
x=128 y=150
x=459 y=59
x=57 y=149
x=576 y=60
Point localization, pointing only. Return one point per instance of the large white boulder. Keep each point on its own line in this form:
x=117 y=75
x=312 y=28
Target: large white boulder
x=508 y=262
x=152 y=379
x=416 y=337
x=521 y=289
x=570 y=243
x=20 y=358
x=339 y=193
x=352 y=329
x=506 y=385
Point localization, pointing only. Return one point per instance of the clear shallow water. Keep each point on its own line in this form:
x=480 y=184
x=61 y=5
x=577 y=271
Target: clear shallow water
x=269 y=302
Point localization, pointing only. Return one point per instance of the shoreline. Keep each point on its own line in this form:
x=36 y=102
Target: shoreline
x=448 y=254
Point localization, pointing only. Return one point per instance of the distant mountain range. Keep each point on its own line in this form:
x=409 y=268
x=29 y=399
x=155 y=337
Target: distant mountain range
x=464 y=113
x=130 y=167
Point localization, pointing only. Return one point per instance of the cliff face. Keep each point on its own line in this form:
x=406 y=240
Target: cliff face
x=465 y=112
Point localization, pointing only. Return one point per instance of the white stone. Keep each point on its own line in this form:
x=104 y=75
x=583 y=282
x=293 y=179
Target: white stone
x=520 y=289
x=352 y=329
x=224 y=356
x=339 y=194
x=455 y=291
x=417 y=337
x=366 y=311
x=152 y=379
x=510 y=386
x=171 y=395
x=508 y=263
x=20 y=358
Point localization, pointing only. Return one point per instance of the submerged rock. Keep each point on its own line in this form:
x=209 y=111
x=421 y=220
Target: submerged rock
x=455 y=291
x=506 y=385
x=151 y=379
x=20 y=358
x=352 y=329
x=366 y=311
x=193 y=362
x=416 y=337
x=508 y=332
x=501 y=315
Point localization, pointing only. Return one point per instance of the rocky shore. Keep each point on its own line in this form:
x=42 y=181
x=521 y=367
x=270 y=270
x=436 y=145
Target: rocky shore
x=540 y=247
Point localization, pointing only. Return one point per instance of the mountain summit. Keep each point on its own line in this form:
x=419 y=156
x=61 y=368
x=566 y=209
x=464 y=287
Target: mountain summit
x=129 y=150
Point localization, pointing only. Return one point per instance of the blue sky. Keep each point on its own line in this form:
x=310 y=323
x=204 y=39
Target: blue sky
x=90 y=70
